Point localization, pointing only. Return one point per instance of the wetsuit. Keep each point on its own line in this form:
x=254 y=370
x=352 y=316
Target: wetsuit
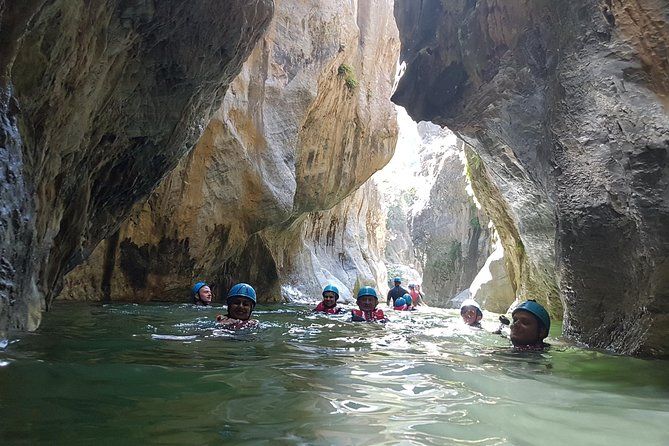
x=395 y=293
x=320 y=308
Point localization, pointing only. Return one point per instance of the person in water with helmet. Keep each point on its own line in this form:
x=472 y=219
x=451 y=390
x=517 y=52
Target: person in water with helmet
x=415 y=295
x=408 y=300
x=531 y=324
x=421 y=296
x=471 y=313
x=241 y=302
x=400 y=305
x=329 y=303
x=367 y=311
x=201 y=294
x=396 y=292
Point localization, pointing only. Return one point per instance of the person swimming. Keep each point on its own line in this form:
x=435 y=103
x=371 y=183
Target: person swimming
x=531 y=324
x=408 y=300
x=396 y=292
x=241 y=302
x=367 y=302
x=201 y=294
x=400 y=304
x=471 y=313
x=329 y=303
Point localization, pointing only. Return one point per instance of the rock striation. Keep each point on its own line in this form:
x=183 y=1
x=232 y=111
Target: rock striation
x=98 y=101
x=262 y=197
x=564 y=104
x=449 y=233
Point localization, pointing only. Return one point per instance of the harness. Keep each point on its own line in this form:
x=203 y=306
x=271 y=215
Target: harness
x=320 y=308
x=376 y=315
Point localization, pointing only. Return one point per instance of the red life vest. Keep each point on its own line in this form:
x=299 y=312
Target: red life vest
x=401 y=308
x=376 y=315
x=320 y=308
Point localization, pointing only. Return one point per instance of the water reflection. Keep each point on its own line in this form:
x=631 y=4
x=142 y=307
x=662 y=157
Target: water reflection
x=166 y=374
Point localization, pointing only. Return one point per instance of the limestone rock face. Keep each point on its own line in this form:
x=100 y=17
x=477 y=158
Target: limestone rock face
x=492 y=286
x=306 y=122
x=342 y=246
x=449 y=232
x=98 y=100
x=564 y=104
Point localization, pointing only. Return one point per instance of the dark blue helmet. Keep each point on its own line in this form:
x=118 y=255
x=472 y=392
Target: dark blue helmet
x=242 y=290
x=536 y=309
x=196 y=288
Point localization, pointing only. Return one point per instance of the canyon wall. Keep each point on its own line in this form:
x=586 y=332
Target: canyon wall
x=98 y=101
x=262 y=198
x=449 y=232
x=563 y=104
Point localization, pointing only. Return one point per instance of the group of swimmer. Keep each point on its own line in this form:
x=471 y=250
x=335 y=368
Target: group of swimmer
x=530 y=326
x=241 y=302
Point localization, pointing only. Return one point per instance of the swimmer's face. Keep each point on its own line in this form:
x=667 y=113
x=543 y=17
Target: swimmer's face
x=329 y=300
x=367 y=303
x=205 y=294
x=470 y=315
x=240 y=308
x=526 y=329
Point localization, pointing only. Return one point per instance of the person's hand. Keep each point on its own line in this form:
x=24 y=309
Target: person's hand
x=504 y=322
x=219 y=317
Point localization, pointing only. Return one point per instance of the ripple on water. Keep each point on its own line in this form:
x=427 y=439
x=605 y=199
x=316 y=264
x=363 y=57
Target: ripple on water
x=166 y=374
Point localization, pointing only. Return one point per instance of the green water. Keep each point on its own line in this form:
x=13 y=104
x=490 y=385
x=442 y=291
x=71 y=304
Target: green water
x=124 y=375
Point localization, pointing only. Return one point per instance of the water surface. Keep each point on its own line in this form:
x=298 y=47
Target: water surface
x=165 y=375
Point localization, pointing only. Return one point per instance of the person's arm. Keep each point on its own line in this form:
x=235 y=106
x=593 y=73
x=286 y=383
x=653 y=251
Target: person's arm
x=356 y=318
x=503 y=323
x=421 y=298
x=389 y=299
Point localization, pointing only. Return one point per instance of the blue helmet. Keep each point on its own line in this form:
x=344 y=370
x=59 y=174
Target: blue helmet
x=397 y=280
x=407 y=298
x=367 y=291
x=400 y=302
x=536 y=309
x=242 y=290
x=196 y=288
x=331 y=289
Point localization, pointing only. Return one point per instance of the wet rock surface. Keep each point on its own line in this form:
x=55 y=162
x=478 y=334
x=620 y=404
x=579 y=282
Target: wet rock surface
x=303 y=126
x=99 y=100
x=564 y=105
